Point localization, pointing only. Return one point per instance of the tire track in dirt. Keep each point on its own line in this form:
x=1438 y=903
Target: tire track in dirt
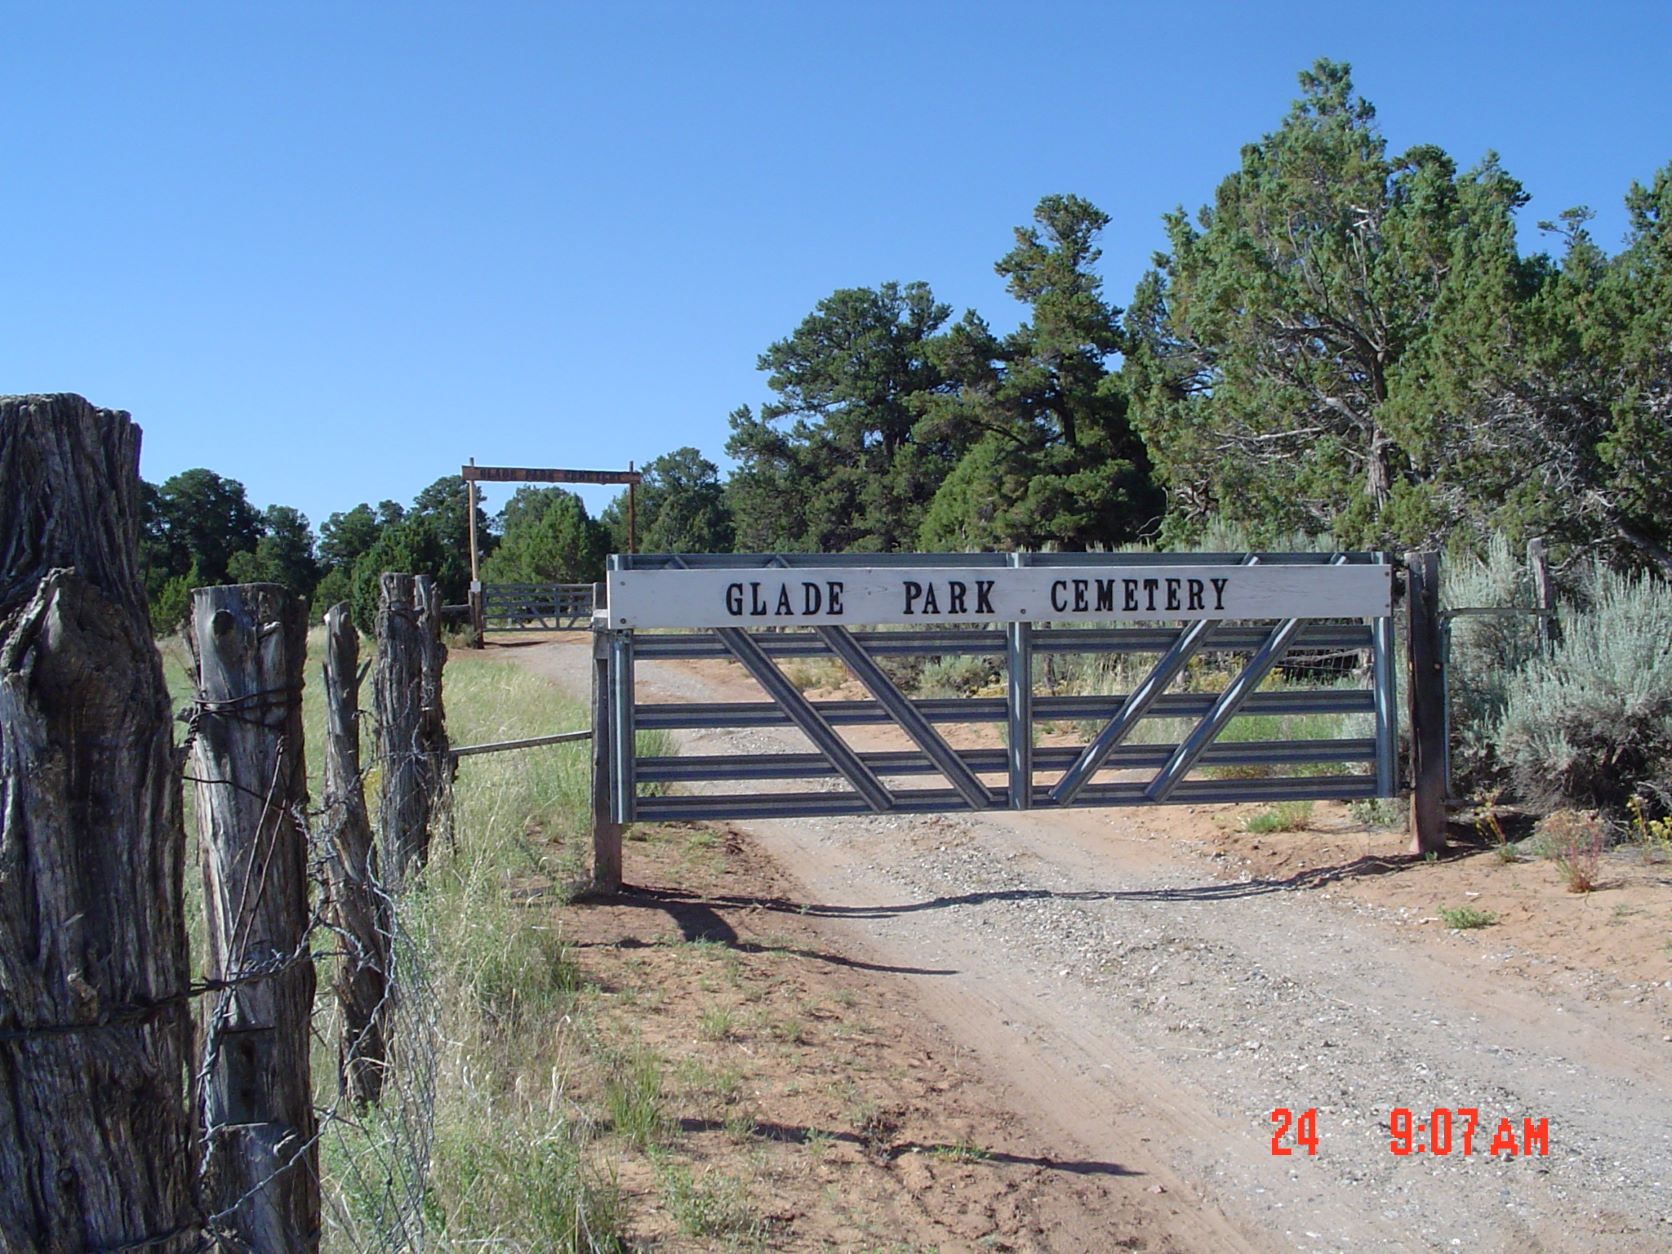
x=1143 y=1013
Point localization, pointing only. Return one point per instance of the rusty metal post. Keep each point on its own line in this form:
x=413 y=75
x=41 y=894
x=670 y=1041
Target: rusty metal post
x=1426 y=698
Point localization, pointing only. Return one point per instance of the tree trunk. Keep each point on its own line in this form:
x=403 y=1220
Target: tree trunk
x=1378 y=475
x=411 y=727
x=359 y=909
x=95 y=1025
x=261 y=1163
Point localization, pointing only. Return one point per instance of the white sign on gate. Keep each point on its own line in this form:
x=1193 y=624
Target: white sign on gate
x=878 y=595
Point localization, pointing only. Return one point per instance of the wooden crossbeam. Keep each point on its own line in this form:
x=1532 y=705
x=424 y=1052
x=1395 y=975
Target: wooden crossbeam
x=534 y=474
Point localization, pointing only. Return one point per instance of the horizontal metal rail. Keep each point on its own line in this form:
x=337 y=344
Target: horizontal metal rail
x=939 y=800
x=709 y=715
x=700 y=768
x=531 y=742
x=1340 y=638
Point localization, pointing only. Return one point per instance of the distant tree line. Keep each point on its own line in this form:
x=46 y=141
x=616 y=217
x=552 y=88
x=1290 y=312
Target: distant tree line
x=1346 y=343
x=200 y=528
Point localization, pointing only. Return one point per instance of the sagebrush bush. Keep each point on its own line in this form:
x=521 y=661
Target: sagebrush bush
x=1486 y=653
x=958 y=675
x=1591 y=724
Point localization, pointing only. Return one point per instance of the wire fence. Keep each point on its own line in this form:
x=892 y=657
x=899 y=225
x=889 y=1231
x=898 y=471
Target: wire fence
x=372 y=1158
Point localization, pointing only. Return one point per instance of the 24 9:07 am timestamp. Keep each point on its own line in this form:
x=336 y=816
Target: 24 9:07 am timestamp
x=1443 y=1130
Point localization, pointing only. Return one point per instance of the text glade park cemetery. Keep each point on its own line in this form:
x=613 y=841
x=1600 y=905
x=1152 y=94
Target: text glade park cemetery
x=954 y=597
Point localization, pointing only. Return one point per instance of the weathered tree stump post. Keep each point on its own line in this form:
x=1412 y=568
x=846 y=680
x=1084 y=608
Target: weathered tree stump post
x=95 y=1024
x=411 y=724
x=261 y=1161
x=1426 y=702
x=359 y=908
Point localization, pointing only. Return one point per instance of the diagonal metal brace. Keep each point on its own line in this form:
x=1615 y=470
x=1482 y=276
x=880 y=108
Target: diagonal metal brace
x=1132 y=709
x=899 y=708
x=800 y=711
x=1225 y=709
x=1188 y=644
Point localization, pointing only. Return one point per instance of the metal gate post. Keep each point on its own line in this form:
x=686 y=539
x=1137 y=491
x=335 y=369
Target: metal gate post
x=623 y=740
x=1018 y=672
x=1387 y=705
x=606 y=832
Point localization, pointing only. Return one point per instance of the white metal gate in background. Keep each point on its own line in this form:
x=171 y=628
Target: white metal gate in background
x=1326 y=619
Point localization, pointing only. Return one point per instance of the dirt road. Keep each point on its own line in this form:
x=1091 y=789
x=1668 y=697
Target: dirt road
x=1145 y=1011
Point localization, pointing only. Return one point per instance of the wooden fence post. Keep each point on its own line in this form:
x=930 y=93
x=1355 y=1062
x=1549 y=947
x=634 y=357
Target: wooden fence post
x=359 y=907
x=1425 y=700
x=1544 y=593
x=478 y=616
x=606 y=832
x=95 y=1023
x=261 y=1155
x=411 y=723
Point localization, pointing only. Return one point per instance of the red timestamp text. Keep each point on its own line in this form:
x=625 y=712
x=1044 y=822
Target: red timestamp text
x=1442 y=1131
x=1446 y=1130
x=1302 y=1128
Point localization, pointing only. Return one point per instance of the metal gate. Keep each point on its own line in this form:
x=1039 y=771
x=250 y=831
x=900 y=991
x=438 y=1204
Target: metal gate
x=534 y=606
x=1218 y=627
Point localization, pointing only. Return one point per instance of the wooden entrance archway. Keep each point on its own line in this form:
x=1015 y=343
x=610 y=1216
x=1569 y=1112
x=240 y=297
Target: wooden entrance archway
x=474 y=474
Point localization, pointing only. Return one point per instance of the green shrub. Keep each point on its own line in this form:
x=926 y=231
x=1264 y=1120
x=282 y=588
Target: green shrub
x=1465 y=918
x=957 y=675
x=333 y=589
x=1487 y=651
x=172 y=604
x=1377 y=812
x=1591 y=725
x=1285 y=816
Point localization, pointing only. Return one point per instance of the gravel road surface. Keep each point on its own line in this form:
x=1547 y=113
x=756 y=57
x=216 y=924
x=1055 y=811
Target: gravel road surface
x=1146 y=1012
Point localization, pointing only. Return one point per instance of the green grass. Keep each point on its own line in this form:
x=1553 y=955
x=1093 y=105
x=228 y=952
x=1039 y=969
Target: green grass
x=634 y=1099
x=1285 y=816
x=524 y=1178
x=520 y=1159
x=1466 y=918
x=962 y=1150
x=713 y=1205
x=717 y=1023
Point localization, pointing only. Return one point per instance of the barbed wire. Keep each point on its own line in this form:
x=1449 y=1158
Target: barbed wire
x=374 y=1156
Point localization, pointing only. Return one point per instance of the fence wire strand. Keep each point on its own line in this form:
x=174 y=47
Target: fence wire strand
x=374 y=1158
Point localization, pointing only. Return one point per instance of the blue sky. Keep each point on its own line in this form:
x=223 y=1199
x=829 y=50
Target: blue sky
x=333 y=251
